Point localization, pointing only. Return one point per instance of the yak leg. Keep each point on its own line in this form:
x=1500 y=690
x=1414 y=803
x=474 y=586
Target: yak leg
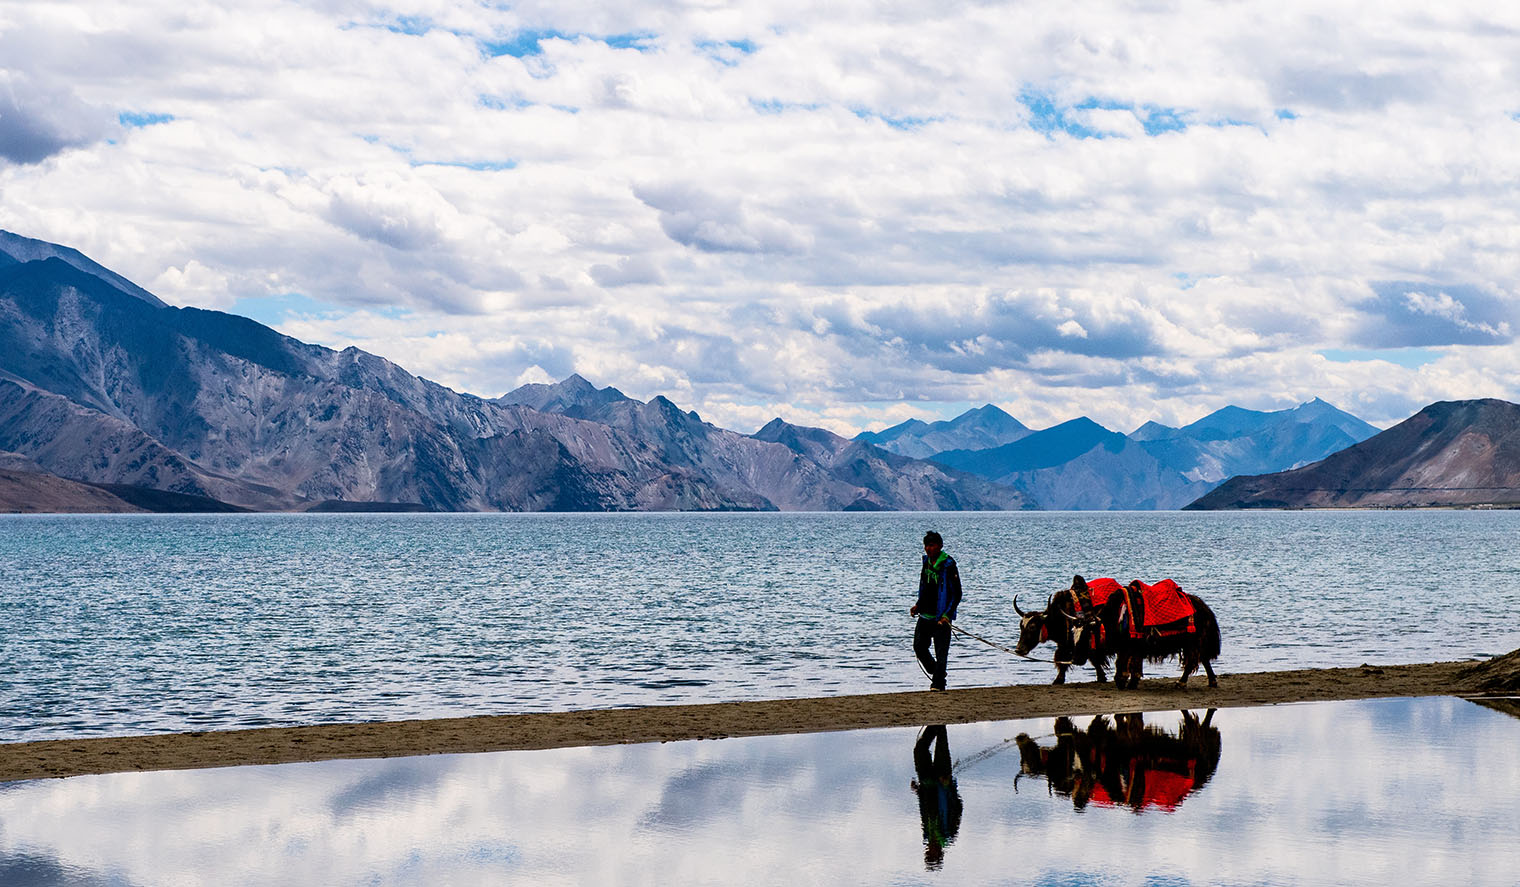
x=1136 y=671
x=1209 y=669
x=1189 y=665
x=1102 y=678
x=1060 y=673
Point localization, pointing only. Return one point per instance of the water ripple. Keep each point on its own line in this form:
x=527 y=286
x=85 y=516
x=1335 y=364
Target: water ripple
x=146 y=623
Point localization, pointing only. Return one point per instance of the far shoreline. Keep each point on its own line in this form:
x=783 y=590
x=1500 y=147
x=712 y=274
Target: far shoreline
x=60 y=758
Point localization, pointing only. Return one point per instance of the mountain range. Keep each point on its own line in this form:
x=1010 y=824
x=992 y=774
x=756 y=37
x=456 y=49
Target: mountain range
x=1079 y=464
x=111 y=399
x=978 y=429
x=1452 y=453
x=102 y=383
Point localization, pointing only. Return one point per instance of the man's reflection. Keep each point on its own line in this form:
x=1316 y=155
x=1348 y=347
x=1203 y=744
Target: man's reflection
x=1125 y=763
x=939 y=803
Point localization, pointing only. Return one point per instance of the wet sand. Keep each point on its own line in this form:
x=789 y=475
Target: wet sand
x=279 y=745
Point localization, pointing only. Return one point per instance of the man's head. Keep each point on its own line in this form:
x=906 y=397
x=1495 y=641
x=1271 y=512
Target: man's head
x=933 y=543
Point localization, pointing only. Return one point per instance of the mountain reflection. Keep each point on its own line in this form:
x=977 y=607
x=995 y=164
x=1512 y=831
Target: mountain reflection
x=939 y=802
x=1123 y=762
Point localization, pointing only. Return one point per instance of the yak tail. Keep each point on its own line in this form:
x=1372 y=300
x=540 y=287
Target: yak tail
x=1208 y=646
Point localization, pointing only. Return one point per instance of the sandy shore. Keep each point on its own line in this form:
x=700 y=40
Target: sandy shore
x=175 y=751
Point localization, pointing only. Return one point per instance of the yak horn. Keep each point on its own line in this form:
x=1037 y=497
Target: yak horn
x=1016 y=608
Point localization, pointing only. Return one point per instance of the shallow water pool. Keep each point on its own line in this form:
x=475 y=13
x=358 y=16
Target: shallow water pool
x=1404 y=792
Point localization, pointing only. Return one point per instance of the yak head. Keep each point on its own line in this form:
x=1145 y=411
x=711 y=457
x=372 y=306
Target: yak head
x=1033 y=629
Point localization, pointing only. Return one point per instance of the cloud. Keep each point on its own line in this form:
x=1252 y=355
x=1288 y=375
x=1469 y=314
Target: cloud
x=629 y=270
x=40 y=118
x=1405 y=315
x=1120 y=211
x=719 y=223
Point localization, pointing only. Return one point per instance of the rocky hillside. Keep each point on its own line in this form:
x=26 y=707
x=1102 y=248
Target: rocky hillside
x=1453 y=453
x=102 y=382
x=791 y=467
x=30 y=492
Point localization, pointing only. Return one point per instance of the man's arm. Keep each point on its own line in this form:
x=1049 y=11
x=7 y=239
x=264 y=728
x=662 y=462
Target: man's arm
x=953 y=587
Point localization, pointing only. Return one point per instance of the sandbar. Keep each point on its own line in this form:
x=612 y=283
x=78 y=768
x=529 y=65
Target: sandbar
x=667 y=723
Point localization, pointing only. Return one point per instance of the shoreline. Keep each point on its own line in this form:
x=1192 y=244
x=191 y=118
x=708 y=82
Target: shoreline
x=61 y=758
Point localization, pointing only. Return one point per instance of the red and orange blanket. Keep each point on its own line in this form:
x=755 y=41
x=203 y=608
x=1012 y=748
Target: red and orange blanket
x=1164 y=608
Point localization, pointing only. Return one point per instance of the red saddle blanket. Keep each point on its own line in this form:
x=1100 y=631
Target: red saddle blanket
x=1100 y=590
x=1163 y=604
x=1157 y=787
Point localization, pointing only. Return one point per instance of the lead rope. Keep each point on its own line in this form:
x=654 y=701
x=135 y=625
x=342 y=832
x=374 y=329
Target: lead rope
x=959 y=630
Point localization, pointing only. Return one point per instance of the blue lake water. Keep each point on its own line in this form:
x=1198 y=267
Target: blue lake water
x=141 y=623
x=1406 y=792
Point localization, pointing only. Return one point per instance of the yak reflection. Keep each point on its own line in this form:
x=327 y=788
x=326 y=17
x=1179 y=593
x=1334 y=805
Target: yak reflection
x=1125 y=763
x=939 y=802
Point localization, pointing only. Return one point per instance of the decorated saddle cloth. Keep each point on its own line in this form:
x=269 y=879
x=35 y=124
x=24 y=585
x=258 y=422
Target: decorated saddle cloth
x=1152 y=786
x=1100 y=590
x=1163 y=609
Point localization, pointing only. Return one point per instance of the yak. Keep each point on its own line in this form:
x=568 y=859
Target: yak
x=1094 y=624
x=1126 y=763
x=1060 y=623
x=1132 y=640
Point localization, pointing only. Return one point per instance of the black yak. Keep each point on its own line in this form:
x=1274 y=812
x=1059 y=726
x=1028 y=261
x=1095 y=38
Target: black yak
x=1062 y=621
x=1092 y=622
x=1126 y=763
x=1132 y=638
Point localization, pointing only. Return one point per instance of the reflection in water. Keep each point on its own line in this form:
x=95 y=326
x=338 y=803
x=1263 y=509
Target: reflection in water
x=1402 y=791
x=1510 y=705
x=939 y=804
x=1125 y=763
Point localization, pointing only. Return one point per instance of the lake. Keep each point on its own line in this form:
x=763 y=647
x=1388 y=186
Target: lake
x=119 y=624
x=1392 y=791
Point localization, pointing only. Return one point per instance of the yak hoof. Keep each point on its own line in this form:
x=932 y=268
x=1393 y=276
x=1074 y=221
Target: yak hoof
x=1060 y=679
x=1213 y=683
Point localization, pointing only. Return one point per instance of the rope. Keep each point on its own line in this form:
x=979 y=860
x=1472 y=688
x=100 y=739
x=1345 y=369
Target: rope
x=982 y=755
x=985 y=753
x=959 y=630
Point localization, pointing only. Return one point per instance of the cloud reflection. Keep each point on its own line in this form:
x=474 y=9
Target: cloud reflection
x=1312 y=794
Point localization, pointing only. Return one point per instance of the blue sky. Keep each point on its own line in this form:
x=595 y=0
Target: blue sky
x=844 y=216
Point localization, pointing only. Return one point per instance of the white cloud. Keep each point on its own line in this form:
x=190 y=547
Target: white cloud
x=774 y=208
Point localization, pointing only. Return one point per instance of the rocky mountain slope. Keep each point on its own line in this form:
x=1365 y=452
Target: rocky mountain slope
x=1452 y=453
x=792 y=467
x=101 y=382
x=30 y=492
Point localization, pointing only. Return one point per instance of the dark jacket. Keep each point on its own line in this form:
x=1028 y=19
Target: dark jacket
x=941 y=597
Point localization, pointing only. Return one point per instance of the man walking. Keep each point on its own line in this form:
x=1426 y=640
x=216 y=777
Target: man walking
x=939 y=593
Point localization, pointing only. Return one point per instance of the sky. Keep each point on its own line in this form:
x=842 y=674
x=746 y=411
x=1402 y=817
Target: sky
x=844 y=216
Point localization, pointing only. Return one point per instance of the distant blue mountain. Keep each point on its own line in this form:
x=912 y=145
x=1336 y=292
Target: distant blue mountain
x=976 y=429
x=1235 y=441
x=1041 y=449
x=1082 y=465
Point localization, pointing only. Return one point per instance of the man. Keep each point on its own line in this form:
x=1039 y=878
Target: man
x=939 y=802
x=939 y=593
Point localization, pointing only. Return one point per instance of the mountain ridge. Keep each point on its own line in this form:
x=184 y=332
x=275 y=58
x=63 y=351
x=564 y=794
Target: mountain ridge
x=1449 y=454
x=100 y=385
x=979 y=428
